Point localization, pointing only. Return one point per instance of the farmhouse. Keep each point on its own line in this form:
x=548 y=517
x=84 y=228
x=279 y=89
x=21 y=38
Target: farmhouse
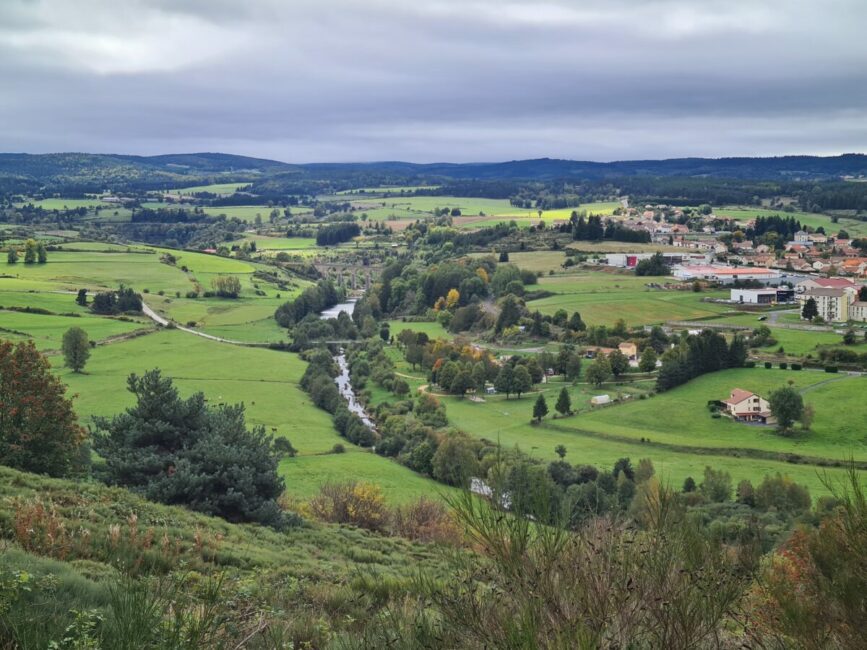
x=744 y=406
x=629 y=349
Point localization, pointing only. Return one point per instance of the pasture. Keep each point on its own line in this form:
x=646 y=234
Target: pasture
x=265 y=381
x=603 y=297
x=692 y=439
x=97 y=266
x=853 y=226
x=46 y=330
x=494 y=210
x=795 y=342
x=222 y=189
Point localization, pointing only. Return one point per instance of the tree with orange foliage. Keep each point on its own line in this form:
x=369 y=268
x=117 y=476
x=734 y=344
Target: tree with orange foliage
x=39 y=431
x=452 y=298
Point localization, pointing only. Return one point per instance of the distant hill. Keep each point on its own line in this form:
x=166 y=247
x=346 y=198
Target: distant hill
x=784 y=167
x=94 y=172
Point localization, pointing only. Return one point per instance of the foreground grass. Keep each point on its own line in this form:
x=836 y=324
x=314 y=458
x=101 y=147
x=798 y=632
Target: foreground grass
x=314 y=583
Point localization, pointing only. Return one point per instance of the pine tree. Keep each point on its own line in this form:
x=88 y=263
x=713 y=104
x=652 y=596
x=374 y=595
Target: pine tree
x=540 y=408
x=180 y=451
x=564 y=403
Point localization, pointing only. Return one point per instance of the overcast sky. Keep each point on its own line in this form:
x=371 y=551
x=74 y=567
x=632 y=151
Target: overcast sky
x=434 y=80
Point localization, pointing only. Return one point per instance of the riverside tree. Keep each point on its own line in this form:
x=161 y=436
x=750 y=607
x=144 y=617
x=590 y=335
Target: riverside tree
x=180 y=451
x=39 y=430
x=76 y=348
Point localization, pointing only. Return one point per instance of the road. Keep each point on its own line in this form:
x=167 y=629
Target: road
x=160 y=320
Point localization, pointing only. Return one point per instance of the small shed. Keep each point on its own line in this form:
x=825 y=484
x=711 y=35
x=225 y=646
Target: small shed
x=490 y=390
x=599 y=400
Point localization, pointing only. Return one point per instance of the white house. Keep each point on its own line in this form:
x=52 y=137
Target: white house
x=744 y=406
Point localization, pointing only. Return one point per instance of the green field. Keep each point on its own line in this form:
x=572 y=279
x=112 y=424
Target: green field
x=416 y=207
x=677 y=419
x=433 y=329
x=215 y=188
x=602 y=298
x=853 y=226
x=248 y=318
x=265 y=381
x=69 y=204
x=794 y=342
x=46 y=331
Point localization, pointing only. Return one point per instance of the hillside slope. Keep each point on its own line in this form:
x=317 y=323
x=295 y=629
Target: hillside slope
x=77 y=541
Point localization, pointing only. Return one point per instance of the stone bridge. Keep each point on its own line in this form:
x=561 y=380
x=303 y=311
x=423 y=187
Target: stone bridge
x=351 y=275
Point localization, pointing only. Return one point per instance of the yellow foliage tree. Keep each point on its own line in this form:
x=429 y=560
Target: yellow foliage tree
x=483 y=274
x=453 y=298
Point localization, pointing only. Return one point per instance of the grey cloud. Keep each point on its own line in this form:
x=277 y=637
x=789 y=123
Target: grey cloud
x=434 y=79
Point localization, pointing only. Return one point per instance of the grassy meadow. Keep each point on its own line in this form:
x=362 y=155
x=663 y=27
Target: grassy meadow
x=602 y=298
x=266 y=381
x=683 y=440
x=853 y=226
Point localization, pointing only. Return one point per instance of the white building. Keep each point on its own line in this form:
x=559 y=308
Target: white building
x=754 y=296
x=727 y=274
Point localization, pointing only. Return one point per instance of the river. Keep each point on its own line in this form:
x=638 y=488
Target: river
x=332 y=312
x=343 y=380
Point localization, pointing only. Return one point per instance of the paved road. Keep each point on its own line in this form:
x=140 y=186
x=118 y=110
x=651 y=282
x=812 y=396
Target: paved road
x=160 y=320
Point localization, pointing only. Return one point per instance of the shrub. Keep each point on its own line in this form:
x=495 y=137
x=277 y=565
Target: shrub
x=831 y=369
x=426 y=520
x=749 y=364
x=783 y=365
x=796 y=366
x=338 y=449
x=768 y=365
x=357 y=504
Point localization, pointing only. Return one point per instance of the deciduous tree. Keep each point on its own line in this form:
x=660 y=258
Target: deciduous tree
x=39 y=430
x=76 y=348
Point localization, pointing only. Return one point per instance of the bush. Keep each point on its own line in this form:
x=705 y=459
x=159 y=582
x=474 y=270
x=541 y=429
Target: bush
x=338 y=448
x=749 y=364
x=357 y=504
x=831 y=369
x=796 y=366
x=783 y=365
x=426 y=520
x=768 y=365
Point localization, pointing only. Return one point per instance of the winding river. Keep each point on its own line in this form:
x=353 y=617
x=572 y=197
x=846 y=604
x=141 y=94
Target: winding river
x=343 y=380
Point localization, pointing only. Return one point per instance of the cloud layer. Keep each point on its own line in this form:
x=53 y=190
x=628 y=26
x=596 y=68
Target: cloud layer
x=430 y=80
